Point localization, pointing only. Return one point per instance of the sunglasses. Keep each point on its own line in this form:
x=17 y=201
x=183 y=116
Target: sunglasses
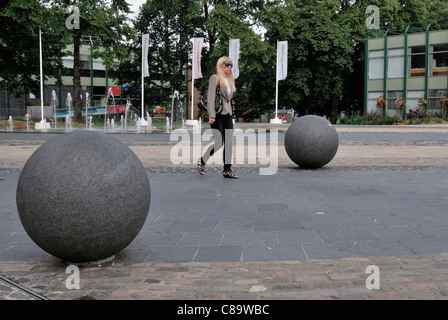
x=228 y=65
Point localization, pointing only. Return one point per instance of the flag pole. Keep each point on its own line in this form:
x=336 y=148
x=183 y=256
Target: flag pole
x=192 y=92
x=145 y=73
x=276 y=120
x=276 y=85
x=43 y=123
x=195 y=73
x=276 y=96
x=41 y=77
x=143 y=79
x=143 y=91
x=193 y=63
x=192 y=122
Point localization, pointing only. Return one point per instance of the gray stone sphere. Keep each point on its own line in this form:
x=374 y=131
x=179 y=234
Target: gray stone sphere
x=83 y=196
x=311 y=142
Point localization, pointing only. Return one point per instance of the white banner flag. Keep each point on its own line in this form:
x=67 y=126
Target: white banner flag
x=145 y=46
x=197 y=52
x=234 y=54
x=282 y=60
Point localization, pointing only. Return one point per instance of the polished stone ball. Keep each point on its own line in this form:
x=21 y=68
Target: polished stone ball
x=311 y=142
x=83 y=196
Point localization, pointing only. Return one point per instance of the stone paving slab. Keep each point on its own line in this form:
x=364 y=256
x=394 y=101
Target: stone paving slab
x=400 y=277
x=299 y=234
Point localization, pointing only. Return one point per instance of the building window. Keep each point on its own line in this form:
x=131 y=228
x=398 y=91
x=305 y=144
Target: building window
x=392 y=96
x=433 y=99
x=395 y=63
x=440 y=60
x=417 y=61
x=412 y=99
x=371 y=102
x=376 y=64
x=67 y=72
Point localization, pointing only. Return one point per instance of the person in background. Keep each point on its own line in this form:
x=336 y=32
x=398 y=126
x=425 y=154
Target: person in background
x=222 y=122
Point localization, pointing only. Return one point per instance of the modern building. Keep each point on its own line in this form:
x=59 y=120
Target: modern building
x=410 y=61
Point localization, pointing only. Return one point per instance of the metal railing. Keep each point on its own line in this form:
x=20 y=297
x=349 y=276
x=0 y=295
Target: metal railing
x=16 y=114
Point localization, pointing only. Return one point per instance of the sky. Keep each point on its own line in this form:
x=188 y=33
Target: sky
x=134 y=6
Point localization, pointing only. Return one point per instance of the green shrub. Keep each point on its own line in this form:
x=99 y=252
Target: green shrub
x=377 y=119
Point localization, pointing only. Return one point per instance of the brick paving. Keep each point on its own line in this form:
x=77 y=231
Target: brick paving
x=401 y=277
x=408 y=246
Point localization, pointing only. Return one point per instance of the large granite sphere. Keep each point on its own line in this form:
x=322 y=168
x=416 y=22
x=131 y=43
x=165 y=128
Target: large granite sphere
x=83 y=196
x=311 y=142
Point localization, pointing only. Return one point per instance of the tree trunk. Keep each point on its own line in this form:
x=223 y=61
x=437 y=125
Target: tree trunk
x=305 y=106
x=77 y=103
x=334 y=108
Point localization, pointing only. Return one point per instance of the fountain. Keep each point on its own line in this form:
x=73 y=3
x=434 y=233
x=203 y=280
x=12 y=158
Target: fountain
x=149 y=122
x=67 y=123
x=11 y=124
x=175 y=96
x=128 y=107
x=68 y=103
x=68 y=118
x=139 y=125
x=87 y=107
x=27 y=118
x=109 y=94
x=53 y=105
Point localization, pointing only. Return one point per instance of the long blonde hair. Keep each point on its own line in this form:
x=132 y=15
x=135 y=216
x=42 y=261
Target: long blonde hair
x=221 y=74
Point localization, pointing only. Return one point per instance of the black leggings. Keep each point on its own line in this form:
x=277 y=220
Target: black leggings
x=222 y=124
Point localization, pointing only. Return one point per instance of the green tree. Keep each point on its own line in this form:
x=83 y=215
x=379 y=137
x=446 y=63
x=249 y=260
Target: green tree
x=247 y=21
x=345 y=43
x=438 y=9
x=19 y=45
x=172 y=24
x=319 y=56
x=107 y=24
x=326 y=47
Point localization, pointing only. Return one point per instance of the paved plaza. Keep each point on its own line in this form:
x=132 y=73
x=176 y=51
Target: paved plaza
x=297 y=234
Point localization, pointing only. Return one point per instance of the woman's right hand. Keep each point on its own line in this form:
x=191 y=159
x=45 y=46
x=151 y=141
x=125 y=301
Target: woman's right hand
x=211 y=120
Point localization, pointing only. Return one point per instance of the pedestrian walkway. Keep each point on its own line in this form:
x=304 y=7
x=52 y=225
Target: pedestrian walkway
x=298 y=234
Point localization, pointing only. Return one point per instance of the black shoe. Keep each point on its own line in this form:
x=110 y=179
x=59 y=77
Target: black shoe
x=229 y=175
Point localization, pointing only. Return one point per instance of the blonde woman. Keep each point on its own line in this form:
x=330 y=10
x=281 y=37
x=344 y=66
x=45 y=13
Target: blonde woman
x=222 y=123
